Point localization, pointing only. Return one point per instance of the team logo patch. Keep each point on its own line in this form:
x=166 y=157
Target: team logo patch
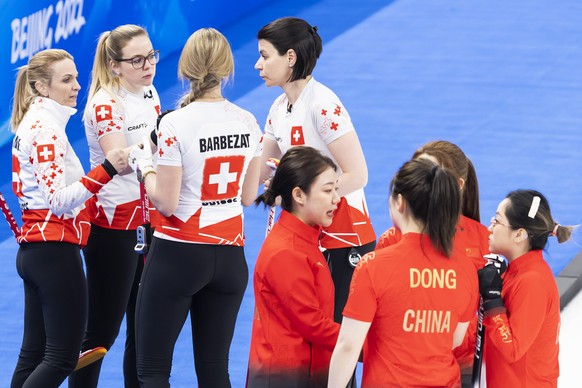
x=297 y=136
x=221 y=177
x=45 y=153
x=103 y=112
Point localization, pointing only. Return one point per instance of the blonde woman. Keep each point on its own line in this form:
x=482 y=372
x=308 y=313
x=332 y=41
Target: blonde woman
x=122 y=108
x=51 y=188
x=207 y=168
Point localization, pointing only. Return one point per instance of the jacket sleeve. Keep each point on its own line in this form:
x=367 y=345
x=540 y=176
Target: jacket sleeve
x=514 y=334
x=292 y=281
x=48 y=159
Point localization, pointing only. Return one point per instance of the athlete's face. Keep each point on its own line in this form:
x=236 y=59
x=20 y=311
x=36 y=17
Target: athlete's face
x=318 y=207
x=273 y=68
x=133 y=79
x=502 y=237
x=64 y=86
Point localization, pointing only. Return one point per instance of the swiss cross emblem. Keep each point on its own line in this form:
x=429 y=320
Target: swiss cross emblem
x=45 y=153
x=103 y=112
x=297 y=136
x=169 y=141
x=16 y=183
x=221 y=177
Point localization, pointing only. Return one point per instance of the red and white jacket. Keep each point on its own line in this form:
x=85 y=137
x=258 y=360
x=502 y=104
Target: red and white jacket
x=134 y=115
x=317 y=119
x=48 y=178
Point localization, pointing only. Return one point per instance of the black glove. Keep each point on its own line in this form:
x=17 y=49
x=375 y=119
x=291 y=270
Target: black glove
x=490 y=284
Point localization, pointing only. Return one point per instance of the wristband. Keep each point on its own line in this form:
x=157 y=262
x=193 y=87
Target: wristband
x=493 y=304
x=109 y=169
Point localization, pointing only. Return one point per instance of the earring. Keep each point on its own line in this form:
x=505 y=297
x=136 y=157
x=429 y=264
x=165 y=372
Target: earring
x=290 y=65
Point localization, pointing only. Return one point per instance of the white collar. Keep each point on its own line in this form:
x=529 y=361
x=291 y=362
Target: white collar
x=60 y=113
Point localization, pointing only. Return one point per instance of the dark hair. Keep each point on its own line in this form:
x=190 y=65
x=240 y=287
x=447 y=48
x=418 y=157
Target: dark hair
x=451 y=157
x=433 y=197
x=541 y=224
x=298 y=35
x=299 y=167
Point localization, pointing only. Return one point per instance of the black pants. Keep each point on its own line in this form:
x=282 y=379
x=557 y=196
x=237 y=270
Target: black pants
x=206 y=280
x=55 y=311
x=113 y=273
x=341 y=273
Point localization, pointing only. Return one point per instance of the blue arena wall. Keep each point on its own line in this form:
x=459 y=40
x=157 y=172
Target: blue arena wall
x=75 y=25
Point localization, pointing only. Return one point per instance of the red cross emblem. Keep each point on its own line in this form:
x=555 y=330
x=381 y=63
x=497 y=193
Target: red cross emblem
x=16 y=183
x=103 y=112
x=45 y=153
x=297 y=136
x=221 y=177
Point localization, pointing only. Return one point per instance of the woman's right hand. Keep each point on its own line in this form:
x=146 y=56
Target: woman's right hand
x=118 y=158
x=140 y=156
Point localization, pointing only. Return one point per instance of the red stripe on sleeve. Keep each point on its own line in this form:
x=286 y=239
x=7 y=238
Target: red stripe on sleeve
x=95 y=179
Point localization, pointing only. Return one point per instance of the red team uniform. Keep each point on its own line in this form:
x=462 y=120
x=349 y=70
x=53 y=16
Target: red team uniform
x=48 y=178
x=293 y=329
x=414 y=297
x=318 y=118
x=521 y=346
x=133 y=115
x=471 y=240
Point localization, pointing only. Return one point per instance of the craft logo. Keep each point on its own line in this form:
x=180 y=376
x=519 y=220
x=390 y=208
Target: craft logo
x=40 y=29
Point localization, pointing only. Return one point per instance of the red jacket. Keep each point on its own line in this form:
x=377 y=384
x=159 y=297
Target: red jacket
x=293 y=332
x=521 y=346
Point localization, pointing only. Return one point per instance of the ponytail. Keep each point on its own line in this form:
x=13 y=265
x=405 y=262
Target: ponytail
x=443 y=210
x=470 y=194
x=23 y=96
x=101 y=75
x=562 y=233
x=268 y=198
x=433 y=198
x=198 y=88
